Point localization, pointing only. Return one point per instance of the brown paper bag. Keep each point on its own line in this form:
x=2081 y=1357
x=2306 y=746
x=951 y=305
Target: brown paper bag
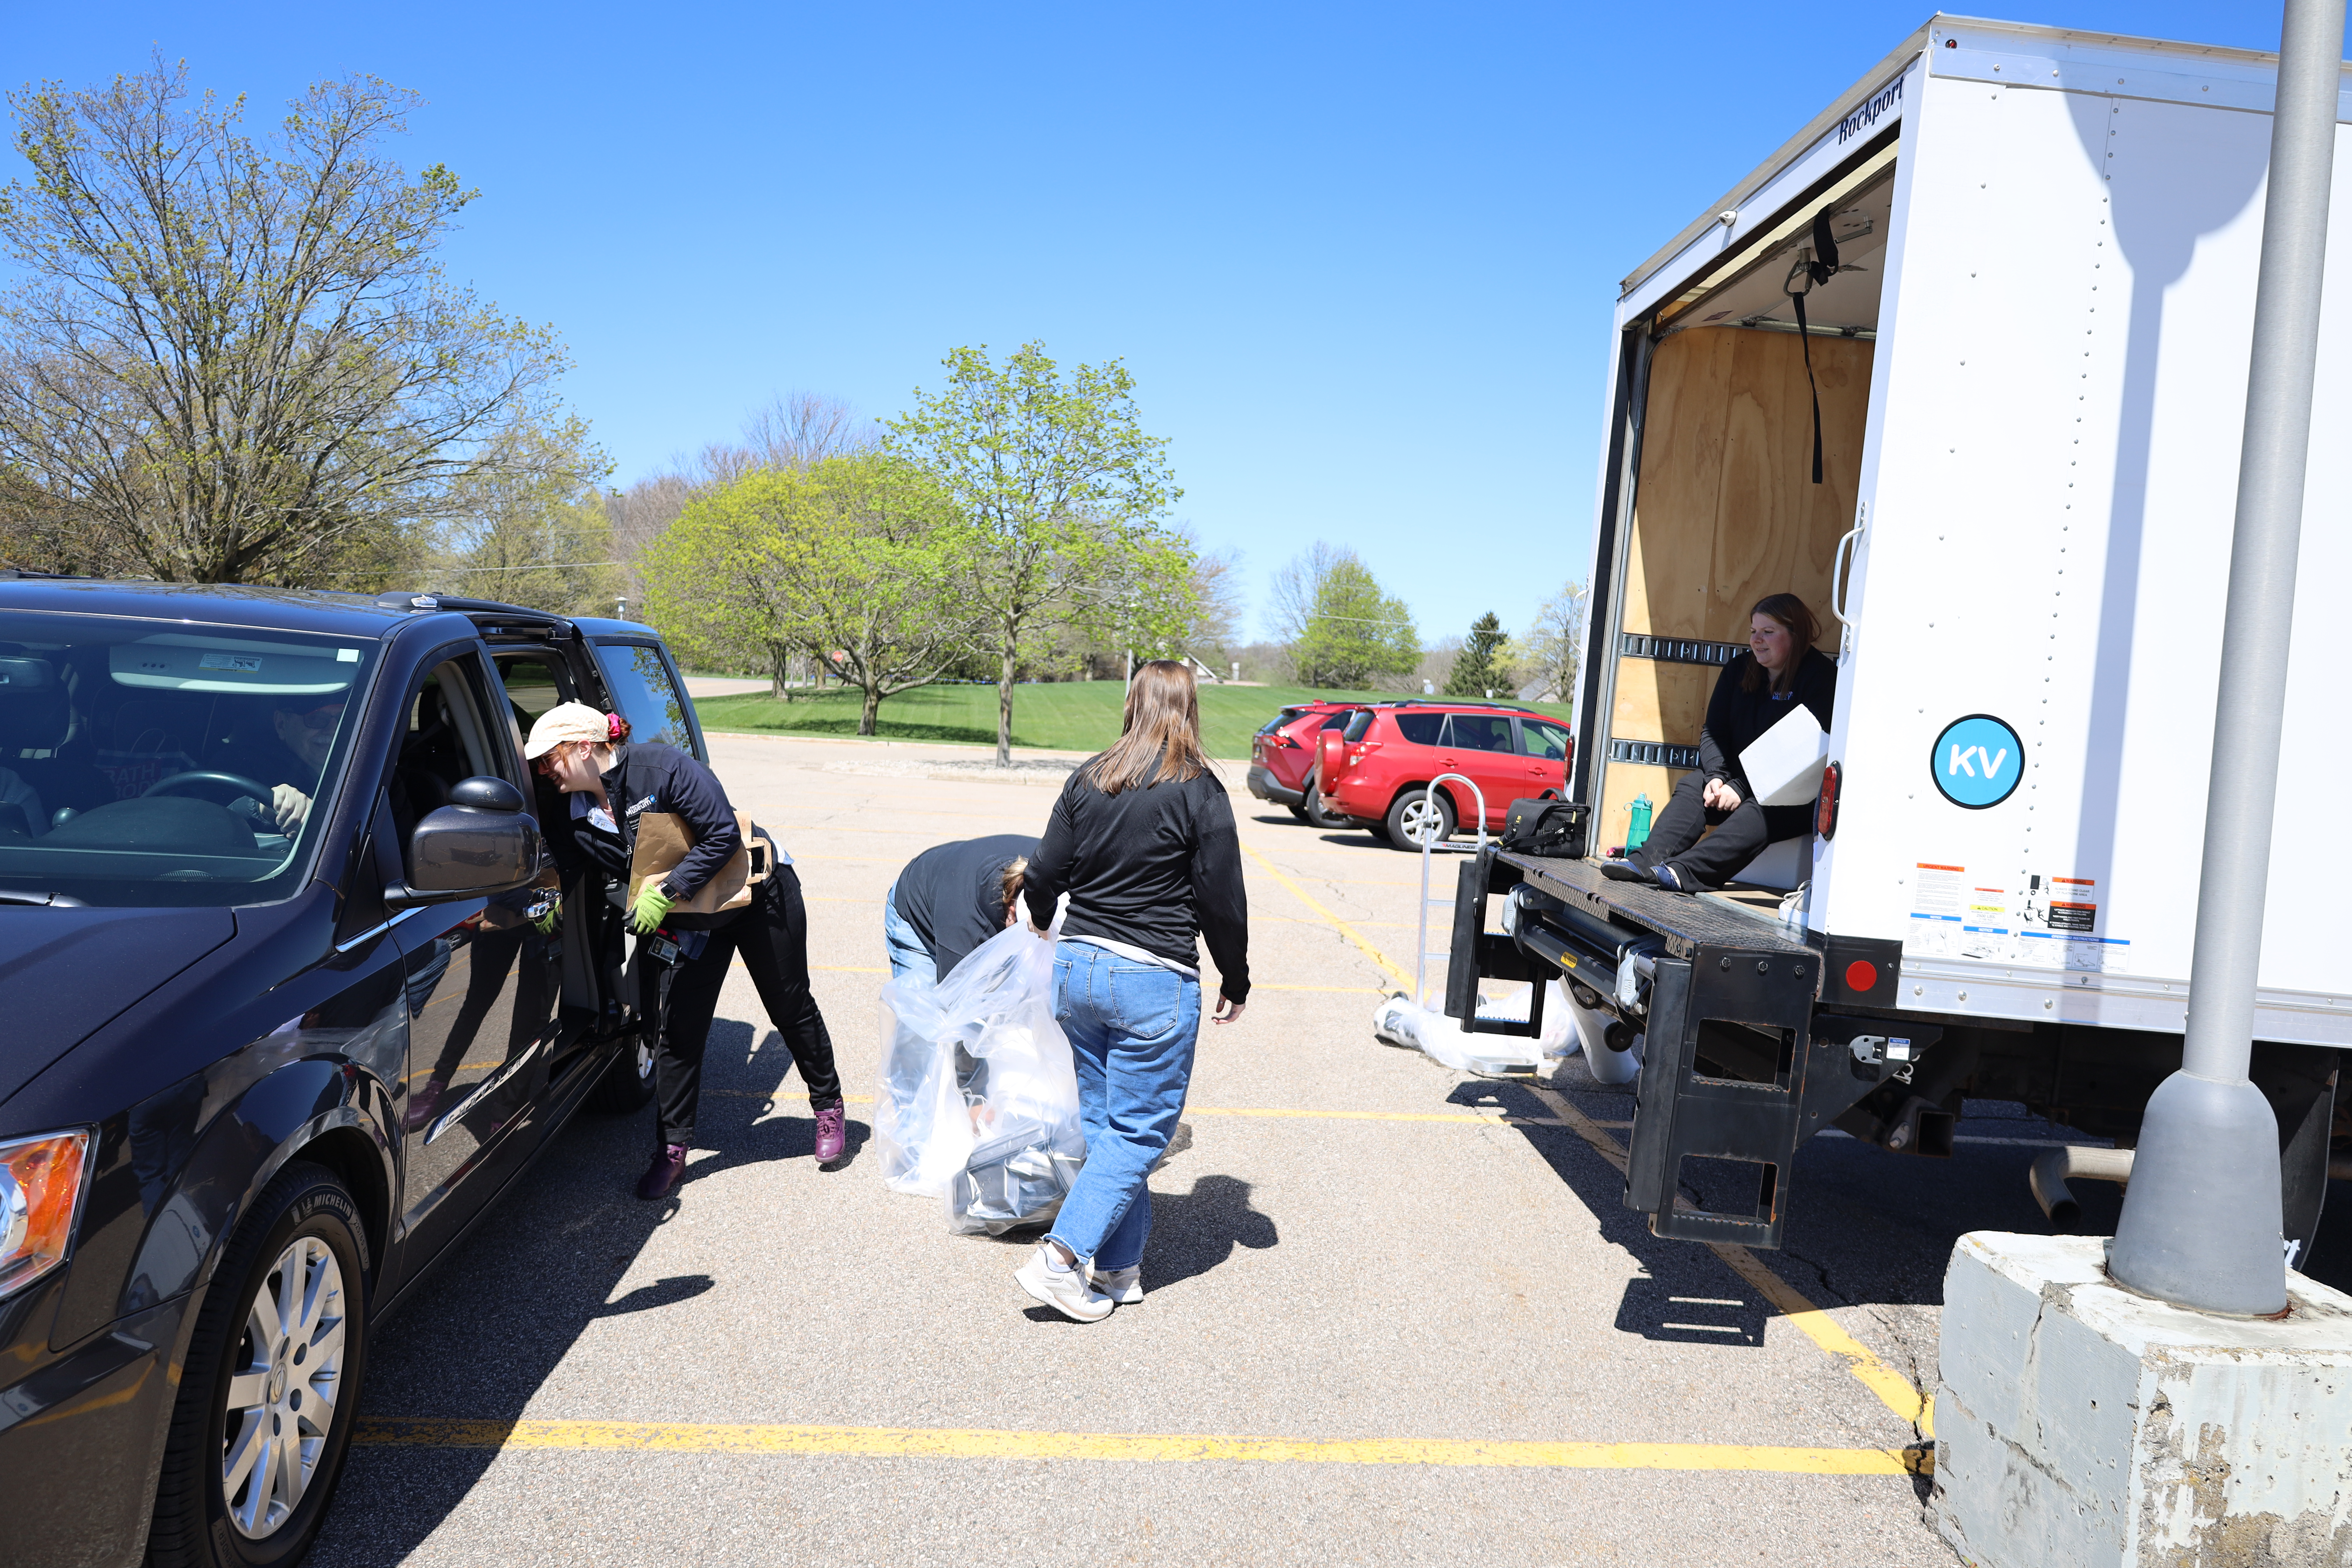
x=663 y=840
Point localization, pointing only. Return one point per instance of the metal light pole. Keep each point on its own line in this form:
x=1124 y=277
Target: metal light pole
x=2201 y=1225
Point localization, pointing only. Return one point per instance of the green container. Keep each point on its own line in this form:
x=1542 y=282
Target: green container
x=1637 y=830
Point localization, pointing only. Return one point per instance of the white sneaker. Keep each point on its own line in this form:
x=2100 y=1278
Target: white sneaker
x=1063 y=1290
x=1124 y=1286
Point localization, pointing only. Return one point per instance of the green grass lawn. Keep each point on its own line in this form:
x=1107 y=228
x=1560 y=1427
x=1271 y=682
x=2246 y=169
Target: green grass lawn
x=1070 y=715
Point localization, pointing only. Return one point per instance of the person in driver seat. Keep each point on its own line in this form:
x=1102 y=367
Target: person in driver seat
x=305 y=727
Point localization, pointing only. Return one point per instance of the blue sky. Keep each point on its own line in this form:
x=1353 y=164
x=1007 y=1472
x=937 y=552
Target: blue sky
x=1360 y=259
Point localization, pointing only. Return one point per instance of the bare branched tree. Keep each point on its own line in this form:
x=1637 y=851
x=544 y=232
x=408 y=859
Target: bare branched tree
x=237 y=362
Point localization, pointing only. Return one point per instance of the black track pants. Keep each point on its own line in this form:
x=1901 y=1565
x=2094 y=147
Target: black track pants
x=1739 y=835
x=772 y=936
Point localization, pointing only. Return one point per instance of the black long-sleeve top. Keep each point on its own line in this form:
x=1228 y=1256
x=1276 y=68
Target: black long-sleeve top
x=1155 y=867
x=1735 y=716
x=648 y=776
x=953 y=894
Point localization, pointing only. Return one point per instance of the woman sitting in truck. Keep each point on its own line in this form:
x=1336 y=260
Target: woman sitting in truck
x=1755 y=691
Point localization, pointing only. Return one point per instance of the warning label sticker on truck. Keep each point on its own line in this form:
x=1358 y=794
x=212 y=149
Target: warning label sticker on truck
x=1940 y=896
x=2061 y=925
x=2051 y=922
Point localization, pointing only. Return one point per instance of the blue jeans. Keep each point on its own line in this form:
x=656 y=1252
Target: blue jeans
x=1131 y=1027
x=900 y=943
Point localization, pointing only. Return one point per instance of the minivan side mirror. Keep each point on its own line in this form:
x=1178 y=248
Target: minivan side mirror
x=482 y=842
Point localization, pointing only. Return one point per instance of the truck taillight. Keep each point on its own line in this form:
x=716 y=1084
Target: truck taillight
x=1825 y=810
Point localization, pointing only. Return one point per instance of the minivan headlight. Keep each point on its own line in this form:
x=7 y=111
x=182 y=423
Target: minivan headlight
x=40 y=1188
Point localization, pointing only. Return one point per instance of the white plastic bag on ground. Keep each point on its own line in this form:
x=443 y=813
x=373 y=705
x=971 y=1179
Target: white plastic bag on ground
x=1425 y=1028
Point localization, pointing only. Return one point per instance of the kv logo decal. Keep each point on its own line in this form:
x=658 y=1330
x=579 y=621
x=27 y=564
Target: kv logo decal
x=1977 y=761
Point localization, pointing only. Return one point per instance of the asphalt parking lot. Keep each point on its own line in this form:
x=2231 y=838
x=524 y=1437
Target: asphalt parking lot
x=1395 y=1313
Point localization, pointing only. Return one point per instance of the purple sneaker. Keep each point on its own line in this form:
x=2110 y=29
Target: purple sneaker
x=831 y=1134
x=663 y=1173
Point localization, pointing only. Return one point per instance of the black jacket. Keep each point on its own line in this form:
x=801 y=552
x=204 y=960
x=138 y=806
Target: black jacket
x=1155 y=867
x=953 y=894
x=648 y=776
x=1735 y=718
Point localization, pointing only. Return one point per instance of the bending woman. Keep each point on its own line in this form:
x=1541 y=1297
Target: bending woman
x=950 y=899
x=587 y=755
x=1781 y=669
x=1142 y=840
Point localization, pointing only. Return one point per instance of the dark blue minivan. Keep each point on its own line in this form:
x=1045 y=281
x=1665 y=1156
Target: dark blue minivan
x=279 y=1018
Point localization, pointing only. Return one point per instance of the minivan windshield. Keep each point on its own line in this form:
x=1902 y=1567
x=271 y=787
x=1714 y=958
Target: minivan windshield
x=168 y=763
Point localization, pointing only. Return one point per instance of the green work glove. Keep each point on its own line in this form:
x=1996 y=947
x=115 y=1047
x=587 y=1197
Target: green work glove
x=653 y=907
x=545 y=925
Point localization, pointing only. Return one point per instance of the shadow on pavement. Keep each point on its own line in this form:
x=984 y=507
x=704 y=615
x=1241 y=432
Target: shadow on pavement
x=1193 y=1232
x=510 y=1299
x=1865 y=1227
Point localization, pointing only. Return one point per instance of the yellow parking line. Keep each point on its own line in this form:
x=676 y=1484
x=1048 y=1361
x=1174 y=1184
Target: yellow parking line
x=951 y=1443
x=1894 y=1390
x=1351 y=933
x=1897 y=1392
x=1473 y=1119
x=1465 y=1117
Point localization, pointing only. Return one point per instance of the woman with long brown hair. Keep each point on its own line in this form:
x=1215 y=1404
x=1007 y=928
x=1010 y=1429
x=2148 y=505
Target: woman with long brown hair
x=1756 y=690
x=1142 y=841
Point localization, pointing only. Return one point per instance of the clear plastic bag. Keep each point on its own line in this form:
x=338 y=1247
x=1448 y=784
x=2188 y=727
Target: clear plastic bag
x=906 y=1106
x=978 y=1102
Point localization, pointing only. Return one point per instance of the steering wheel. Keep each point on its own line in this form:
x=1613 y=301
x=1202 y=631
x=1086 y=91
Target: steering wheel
x=245 y=787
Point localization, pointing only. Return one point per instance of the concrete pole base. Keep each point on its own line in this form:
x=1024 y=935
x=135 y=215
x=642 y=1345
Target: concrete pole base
x=2201 y=1220
x=2080 y=1425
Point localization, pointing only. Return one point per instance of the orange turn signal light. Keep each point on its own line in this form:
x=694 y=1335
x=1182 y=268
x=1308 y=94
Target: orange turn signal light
x=40 y=1189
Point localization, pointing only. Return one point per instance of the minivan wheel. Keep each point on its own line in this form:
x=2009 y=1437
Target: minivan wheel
x=628 y=1083
x=1417 y=818
x=271 y=1384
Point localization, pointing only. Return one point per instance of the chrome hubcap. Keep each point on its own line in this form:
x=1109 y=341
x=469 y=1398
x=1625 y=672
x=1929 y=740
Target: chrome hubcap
x=281 y=1395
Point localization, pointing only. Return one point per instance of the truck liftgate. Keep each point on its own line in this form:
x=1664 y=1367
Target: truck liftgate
x=1744 y=1056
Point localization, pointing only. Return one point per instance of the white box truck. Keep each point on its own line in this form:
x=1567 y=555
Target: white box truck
x=2030 y=370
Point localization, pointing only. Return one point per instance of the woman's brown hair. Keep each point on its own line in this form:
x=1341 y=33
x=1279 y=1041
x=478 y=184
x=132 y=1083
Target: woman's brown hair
x=1790 y=611
x=1159 y=738
x=1009 y=880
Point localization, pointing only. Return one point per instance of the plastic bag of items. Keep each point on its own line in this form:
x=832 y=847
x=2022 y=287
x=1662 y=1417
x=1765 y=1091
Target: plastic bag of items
x=907 y=1106
x=980 y=1098
x=1426 y=1028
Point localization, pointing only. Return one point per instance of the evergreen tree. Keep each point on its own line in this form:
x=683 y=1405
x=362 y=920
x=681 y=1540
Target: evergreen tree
x=1476 y=669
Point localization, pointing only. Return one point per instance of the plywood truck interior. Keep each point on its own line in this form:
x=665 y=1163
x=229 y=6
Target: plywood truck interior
x=1724 y=509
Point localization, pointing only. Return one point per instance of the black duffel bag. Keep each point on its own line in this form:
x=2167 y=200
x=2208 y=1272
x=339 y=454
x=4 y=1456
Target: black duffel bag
x=1541 y=825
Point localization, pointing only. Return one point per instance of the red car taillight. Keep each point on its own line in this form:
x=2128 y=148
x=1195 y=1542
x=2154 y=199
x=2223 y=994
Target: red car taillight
x=1825 y=808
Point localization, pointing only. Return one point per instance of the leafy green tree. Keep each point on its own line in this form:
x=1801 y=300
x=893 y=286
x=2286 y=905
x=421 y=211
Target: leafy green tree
x=231 y=360
x=1476 y=669
x=1341 y=629
x=855 y=561
x=1064 y=495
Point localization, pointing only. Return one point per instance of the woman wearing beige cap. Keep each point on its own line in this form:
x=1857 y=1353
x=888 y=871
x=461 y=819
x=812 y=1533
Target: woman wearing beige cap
x=588 y=756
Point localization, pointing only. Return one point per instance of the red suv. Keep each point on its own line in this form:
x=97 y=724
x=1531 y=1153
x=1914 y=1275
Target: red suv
x=1282 y=759
x=1373 y=767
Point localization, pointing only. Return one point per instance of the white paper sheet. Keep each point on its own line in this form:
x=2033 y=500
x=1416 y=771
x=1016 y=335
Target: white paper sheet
x=1784 y=764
